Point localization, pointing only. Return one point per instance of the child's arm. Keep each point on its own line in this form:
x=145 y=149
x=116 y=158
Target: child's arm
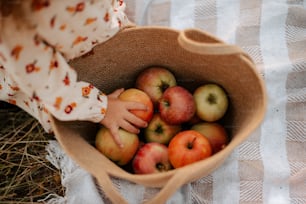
x=43 y=74
x=34 y=60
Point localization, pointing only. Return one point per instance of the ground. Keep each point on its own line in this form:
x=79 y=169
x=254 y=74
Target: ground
x=26 y=176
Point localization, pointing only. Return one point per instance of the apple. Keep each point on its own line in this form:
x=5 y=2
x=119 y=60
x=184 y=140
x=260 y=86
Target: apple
x=160 y=131
x=194 y=120
x=136 y=95
x=154 y=81
x=105 y=143
x=151 y=158
x=187 y=147
x=211 y=102
x=214 y=132
x=176 y=105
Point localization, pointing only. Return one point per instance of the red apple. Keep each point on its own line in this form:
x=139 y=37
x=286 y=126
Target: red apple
x=160 y=131
x=194 y=120
x=211 y=102
x=151 y=158
x=187 y=147
x=106 y=145
x=176 y=105
x=215 y=133
x=133 y=94
x=154 y=81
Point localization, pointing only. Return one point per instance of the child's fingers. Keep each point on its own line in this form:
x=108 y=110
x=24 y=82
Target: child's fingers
x=129 y=127
x=116 y=93
x=115 y=134
x=133 y=119
x=136 y=106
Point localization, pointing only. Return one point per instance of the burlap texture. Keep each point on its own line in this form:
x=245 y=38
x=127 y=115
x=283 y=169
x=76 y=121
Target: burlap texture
x=195 y=58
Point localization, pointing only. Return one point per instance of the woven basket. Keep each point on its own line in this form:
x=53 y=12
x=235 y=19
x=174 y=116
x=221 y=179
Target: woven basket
x=195 y=58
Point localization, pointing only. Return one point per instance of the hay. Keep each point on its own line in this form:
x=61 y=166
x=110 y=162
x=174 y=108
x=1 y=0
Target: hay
x=26 y=176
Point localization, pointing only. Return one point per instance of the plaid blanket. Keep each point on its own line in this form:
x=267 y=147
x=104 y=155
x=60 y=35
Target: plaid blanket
x=270 y=167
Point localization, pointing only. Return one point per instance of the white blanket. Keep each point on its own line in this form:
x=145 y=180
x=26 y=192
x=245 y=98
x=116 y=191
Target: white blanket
x=270 y=166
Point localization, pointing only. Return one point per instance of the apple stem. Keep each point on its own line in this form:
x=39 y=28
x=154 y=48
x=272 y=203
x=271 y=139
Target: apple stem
x=166 y=103
x=159 y=129
x=212 y=99
x=164 y=86
x=190 y=144
x=161 y=167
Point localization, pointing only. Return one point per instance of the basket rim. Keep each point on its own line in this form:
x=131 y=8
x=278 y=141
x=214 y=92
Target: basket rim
x=220 y=156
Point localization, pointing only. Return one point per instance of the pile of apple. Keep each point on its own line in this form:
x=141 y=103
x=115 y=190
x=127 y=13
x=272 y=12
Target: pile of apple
x=182 y=126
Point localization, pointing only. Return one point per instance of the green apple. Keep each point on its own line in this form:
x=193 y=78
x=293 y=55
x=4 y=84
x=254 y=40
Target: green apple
x=211 y=102
x=160 y=131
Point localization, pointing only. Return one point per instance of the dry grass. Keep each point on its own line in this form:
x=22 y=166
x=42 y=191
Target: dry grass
x=25 y=174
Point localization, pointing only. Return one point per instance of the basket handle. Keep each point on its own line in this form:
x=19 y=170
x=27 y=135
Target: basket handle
x=175 y=182
x=102 y=176
x=200 y=42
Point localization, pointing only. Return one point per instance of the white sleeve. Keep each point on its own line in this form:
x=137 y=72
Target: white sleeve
x=37 y=64
x=44 y=75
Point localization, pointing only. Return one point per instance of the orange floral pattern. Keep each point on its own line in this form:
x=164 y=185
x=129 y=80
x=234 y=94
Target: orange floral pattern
x=76 y=8
x=66 y=80
x=14 y=88
x=32 y=68
x=16 y=51
x=58 y=102
x=52 y=21
x=90 y=21
x=12 y=101
x=35 y=97
x=106 y=17
x=103 y=111
x=63 y=27
x=38 y=5
x=26 y=103
x=86 y=90
x=53 y=64
x=69 y=108
x=79 y=39
x=46 y=83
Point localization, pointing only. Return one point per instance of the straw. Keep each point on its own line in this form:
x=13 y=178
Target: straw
x=26 y=176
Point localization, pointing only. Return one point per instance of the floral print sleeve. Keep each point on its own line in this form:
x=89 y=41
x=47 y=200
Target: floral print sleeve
x=33 y=57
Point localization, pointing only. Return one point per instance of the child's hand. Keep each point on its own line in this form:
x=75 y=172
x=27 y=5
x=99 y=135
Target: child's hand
x=118 y=116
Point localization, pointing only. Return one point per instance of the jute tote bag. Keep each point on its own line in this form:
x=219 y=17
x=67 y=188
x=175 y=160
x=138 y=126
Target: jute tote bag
x=195 y=57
